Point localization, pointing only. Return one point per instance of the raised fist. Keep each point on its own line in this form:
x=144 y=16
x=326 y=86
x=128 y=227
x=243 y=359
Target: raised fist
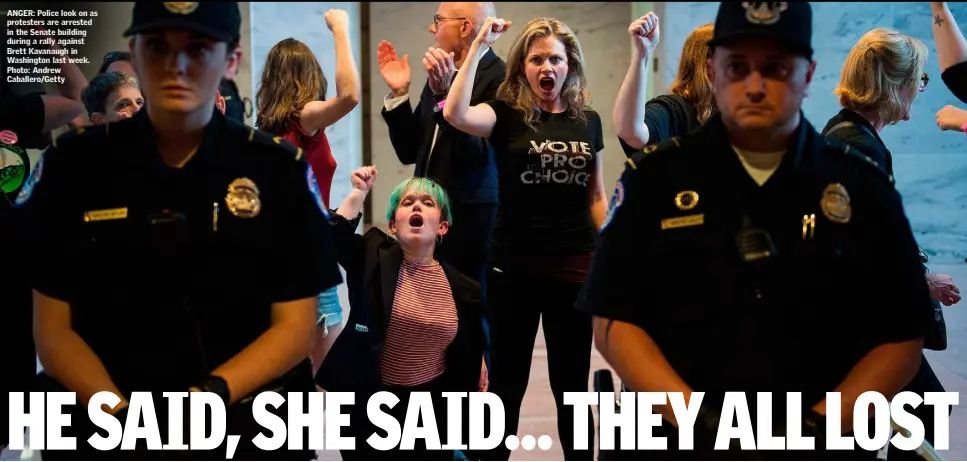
x=644 y=33
x=363 y=178
x=492 y=29
x=337 y=18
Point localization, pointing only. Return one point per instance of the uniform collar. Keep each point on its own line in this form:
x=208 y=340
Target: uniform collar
x=206 y=157
x=802 y=139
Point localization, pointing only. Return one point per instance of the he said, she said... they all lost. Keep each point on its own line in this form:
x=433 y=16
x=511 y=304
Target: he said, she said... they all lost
x=635 y=418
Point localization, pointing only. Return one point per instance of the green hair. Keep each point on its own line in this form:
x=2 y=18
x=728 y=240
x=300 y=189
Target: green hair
x=421 y=186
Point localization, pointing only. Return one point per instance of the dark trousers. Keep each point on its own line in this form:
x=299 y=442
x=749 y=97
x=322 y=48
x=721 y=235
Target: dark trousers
x=519 y=303
x=465 y=247
x=925 y=381
x=360 y=428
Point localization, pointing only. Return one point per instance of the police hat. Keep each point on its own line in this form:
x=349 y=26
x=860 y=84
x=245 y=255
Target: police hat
x=790 y=23
x=221 y=21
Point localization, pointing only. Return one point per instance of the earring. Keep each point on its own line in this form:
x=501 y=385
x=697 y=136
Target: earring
x=439 y=239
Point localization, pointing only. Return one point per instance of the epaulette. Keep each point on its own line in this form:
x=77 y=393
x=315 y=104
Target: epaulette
x=651 y=149
x=267 y=139
x=857 y=155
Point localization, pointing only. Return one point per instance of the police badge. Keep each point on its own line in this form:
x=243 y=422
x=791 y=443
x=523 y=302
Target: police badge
x=181 y=7
x=835 y=204
x=243 y=198
x=763 y=13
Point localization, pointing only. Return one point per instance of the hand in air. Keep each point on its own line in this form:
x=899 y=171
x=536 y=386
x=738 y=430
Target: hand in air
x=440 y=69
x=492 y=30
x=645 y=34
x=943 y=289
x=337 y=19
x=395 y=71
x=363 y=178
x=951 y=118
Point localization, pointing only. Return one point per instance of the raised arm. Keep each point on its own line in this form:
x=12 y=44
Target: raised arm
x=362 y=179
x=476 y=120
x=950 y=43
x=317 y=115
x=629 y=108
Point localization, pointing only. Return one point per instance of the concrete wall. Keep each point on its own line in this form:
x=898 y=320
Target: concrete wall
x=601 y=28
x=930 y=166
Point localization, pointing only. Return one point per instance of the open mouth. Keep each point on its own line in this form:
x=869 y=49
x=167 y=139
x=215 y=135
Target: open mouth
x=416 y=221
x=547 y=84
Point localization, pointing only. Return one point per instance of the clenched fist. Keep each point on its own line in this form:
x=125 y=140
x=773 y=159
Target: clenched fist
x=951 y=118
x=337 y=19
x=492 y=30
x=644 y=33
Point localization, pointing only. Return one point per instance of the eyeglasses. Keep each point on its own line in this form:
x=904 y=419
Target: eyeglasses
x=437 y=19
x=924 y=79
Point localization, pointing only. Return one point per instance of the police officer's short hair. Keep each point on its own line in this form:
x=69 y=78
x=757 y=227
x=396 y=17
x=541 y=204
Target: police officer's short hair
x=100 y=87
x=421 y=186
x=879 y=68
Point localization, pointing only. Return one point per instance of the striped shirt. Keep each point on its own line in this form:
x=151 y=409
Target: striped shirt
x=421 y=327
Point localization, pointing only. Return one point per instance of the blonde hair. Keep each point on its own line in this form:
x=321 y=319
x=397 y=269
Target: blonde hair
x=692 y=81
x=515 y=90
x=881 y=67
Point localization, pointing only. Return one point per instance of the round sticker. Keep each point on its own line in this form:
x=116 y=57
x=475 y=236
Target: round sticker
x=14 y=168
x=8 y=137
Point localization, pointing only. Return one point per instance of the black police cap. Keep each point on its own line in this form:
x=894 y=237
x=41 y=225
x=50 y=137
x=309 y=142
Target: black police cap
x=790 y=23
x=221 y=21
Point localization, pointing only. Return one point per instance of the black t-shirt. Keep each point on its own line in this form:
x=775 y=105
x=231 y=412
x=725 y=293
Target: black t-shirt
x=955 y=77
x=544 y=175
x=170 y=273
x=670 y=261
x=666 y=116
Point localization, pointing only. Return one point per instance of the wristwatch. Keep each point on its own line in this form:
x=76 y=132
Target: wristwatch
x=218 y=386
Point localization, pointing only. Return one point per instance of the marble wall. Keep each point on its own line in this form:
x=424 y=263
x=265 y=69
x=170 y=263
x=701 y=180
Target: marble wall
x=930 y=165
x=601 y=28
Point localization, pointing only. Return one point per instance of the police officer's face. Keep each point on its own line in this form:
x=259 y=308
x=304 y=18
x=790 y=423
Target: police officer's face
x=759 y=85
x=417 y=220
x=180 y=70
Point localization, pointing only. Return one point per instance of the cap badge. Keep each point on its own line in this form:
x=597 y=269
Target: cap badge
x=835 y=203
x=686 y=200
x=243 y=198
x=763 y=13
x=181 y=7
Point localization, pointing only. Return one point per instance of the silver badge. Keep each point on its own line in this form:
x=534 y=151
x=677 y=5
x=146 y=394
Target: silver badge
x=764 y=13
x=243 y=198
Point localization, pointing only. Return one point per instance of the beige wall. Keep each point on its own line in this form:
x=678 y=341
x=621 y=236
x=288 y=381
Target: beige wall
x=601 y=28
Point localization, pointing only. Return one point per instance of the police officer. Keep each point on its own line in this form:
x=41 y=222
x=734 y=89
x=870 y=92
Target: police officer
x=177 y=250
x=755 y=255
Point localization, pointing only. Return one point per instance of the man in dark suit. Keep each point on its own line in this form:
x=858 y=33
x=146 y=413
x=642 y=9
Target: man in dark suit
x=461 y=163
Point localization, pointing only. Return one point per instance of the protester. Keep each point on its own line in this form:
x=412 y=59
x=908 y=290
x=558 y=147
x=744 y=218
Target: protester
x=690 y=103
x=112 y=97
x=292 y=104
x=432 y=340
x=547 y=144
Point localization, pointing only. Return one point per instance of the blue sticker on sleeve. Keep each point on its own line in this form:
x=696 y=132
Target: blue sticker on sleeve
x=314 y=189
x=616 y=199
x=31 y=183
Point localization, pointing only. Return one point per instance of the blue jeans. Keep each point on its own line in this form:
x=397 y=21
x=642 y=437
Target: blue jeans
x=329 y=309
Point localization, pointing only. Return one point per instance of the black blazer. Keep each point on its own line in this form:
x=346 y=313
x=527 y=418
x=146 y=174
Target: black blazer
x=463 y=164
x=372 y=263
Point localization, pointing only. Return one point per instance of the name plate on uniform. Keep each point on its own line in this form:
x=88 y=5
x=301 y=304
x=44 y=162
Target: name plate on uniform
x=682 y=222
x=109 y=214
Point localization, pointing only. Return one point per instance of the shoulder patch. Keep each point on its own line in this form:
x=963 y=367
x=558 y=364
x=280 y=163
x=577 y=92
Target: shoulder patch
x=857 y=155
x=651 y=149
x=617 y=198
x=316 y=193
x=28 y=187
x=259 y=137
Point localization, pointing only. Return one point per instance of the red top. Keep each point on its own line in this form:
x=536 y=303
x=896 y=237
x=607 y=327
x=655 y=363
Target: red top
x=318 y=155
x=422 y=325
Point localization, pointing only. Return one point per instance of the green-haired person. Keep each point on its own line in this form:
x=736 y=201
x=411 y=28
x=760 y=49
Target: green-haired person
x=414 y=323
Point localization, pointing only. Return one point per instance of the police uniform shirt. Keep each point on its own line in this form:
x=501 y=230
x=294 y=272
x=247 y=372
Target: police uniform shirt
x=164 y=300
x=843 y=276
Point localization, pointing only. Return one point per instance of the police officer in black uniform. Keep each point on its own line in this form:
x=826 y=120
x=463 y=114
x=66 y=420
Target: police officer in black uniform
x=755 y=255
x=177 y=250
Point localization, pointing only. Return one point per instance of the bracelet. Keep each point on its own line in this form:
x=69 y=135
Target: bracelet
x=443 y=102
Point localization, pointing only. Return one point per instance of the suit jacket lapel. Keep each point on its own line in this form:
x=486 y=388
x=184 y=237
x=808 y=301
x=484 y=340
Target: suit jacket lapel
x=390 y=260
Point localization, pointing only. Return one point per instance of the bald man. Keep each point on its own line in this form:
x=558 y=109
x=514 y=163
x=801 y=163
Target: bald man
x=461 y=163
